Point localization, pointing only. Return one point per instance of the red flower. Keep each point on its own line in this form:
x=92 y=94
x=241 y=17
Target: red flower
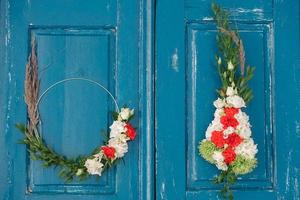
x=234 y=140
x=109 y=152
x=131 y=133
x=217 y=138
x=229 y=155
x=231 y=111
x=227 y=121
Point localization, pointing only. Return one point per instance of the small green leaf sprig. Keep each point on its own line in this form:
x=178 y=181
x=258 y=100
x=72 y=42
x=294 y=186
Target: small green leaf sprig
x=233 y=55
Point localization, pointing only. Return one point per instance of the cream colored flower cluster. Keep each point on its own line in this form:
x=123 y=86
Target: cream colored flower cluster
x=228 y=142
x=120 y=133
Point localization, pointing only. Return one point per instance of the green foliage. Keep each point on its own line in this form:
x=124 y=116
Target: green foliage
x=206 y=150
x=227 y=178
x=242 y=165
x=40 y=151
x=115 y=115
x=230 y=52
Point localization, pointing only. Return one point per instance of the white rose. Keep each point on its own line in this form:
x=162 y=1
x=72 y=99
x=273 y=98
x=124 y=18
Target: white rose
x=117 y=128
x=119 y=144
x=219 y=103
x=126 y=113
x=230 y=66
x=247 y=149
x=235 y=101
x=94 y=166
x=230 y=91
x=219 y=160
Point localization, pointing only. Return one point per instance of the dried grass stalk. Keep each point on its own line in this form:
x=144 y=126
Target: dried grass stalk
x=32 y=84
x=238 y=43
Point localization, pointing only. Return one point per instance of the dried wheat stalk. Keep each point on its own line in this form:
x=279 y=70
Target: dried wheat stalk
x=32 y=84
x=239 y=43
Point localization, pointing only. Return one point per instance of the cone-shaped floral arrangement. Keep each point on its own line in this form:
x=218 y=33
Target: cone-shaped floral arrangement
x=228 y=143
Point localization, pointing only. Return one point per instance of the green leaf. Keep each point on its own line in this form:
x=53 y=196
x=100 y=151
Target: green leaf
x=115 y=115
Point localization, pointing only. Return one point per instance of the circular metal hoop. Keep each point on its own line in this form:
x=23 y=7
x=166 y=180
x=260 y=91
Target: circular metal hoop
x=76 y=79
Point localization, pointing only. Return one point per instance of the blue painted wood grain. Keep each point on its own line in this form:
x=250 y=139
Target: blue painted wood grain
x=130 y=37
x=107 y=41
x=186 y=80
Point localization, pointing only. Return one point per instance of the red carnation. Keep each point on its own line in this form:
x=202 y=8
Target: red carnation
x=229 y=155
x=131 y=133
x=233 y=140
x=231 y=111
x=227 y=121
x=109 y=152
x=217 y=138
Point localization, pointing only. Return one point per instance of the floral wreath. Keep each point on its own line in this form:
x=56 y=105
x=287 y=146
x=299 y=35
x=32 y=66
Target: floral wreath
x=228 y=143
x=103 y=157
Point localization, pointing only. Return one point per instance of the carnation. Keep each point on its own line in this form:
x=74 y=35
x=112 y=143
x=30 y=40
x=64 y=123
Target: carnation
x=206 y=149
x=218 y=113
x=243 y=119
x=228 y=131
x=117 y=128
x=94 y=165
x=130 y=131
x=125 y=114
x=217 y=139
x=244 y=131
x=235 y=101
x=219 y=160
x=219 y=103
x=229 y=155
x=243 y=165
x=119 y=144
x=247 y=149
x=215 y=125
x=230 y=91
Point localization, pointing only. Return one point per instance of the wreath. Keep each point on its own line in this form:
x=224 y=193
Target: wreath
x=228 y=143
x=114 y=148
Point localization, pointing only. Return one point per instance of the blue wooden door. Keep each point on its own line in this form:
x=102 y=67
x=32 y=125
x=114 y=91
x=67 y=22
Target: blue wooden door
x=186 y=80
x=101 y=40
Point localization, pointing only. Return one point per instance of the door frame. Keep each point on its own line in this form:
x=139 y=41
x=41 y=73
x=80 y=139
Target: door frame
x=8 y=102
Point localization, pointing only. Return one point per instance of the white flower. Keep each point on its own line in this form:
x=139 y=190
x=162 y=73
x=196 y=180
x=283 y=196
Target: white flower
x=215 y=125
x=219 y=160
x=244 y=131
x=230 y=66
x=247 y=149
x=219 y=61
x=230 y=91
x=119 y=144
x=94 y=166
x=235 y=101
x=125 y=113
x=243 y=119
x=219 y=103
x=117 y=128
x=218 y=113
x=228 y=131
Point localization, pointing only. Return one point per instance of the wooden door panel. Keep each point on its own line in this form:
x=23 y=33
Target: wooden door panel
x=102 y=40
x=202 y=81
x=186 y=34
x=75 y=110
